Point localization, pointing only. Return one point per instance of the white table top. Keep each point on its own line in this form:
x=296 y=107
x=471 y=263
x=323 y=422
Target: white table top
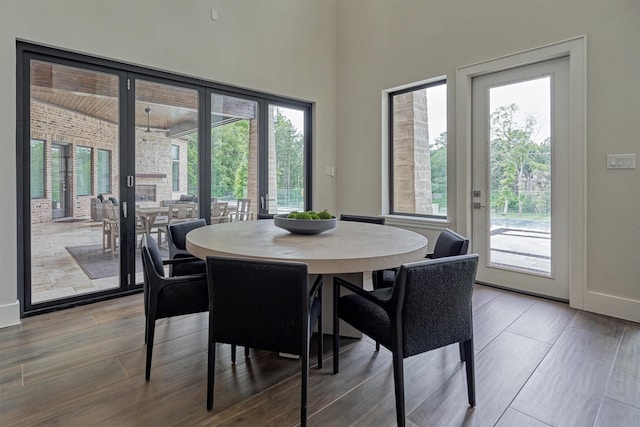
x=351 y=247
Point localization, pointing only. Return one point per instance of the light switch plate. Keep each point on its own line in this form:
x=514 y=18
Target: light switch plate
x=621 y=161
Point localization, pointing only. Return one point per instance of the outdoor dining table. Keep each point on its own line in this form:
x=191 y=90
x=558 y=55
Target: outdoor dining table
x=150 y=213
x=351 y=247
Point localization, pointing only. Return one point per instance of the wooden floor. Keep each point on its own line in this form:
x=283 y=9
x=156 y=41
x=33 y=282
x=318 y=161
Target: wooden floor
x=538 y=363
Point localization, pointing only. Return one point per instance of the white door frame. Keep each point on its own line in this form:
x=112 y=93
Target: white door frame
x=575 y=49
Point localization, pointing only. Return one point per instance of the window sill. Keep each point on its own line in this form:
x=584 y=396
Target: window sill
x=417 y=222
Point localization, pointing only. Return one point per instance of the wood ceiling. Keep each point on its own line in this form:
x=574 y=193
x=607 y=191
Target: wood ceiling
x=96 y=94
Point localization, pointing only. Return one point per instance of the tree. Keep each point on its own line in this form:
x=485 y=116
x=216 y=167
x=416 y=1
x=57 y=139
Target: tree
x=519 y=165
x=229 y=157
x=290 y=159
x=438 y=152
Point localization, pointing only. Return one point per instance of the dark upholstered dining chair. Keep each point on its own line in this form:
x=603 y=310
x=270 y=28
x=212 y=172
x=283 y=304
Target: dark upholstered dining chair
x=428 y=307
x=167 y=296
x=378 y=275
x=177 y=242
x=448 y=243
x=266 y=305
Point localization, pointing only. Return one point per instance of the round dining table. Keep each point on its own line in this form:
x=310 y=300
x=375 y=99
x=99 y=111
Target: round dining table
x=350 y=247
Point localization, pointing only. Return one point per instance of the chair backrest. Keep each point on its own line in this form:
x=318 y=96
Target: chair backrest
x=261 y=304
x=450 y=243
x=243 y=210
x=111 y=210
x=432 y=301
x=177 y=236
x=151 y=259
x=362 y=218
x=219 y=209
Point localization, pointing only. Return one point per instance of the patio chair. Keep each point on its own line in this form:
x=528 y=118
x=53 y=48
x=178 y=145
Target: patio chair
x=219 y=212
x=243 y=211
x=178 y=212
x=428 y=307
x=110 y=228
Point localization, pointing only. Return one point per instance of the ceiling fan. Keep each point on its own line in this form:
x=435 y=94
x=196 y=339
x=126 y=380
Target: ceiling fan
x=148 y=129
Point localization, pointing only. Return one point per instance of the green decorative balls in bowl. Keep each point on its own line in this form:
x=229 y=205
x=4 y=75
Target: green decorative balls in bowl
x=309 y=222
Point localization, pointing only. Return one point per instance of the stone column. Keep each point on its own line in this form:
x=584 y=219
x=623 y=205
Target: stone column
x=252 y=168
x=411 y=158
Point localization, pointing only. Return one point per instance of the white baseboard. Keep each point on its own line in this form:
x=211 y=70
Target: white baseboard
x=611 y=305
x=10 y=314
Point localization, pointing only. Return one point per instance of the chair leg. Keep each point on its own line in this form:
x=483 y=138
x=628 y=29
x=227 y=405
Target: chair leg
x=151 y=326
x=305 y=380
x=398 y=381
x=246 y=352
x=211 y=361
x=377 y=346
x=320 y=335
x=470 y=365
x=233 y=354
x=336 y=328
x=462 y=357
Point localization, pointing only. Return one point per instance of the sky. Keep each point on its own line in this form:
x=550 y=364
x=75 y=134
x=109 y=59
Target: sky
x=531 y=97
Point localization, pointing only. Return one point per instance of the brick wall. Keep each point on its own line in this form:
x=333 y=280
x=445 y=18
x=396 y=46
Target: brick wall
x=57 y=125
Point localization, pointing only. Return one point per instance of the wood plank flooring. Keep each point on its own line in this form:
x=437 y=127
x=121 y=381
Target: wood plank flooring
x=538 y=363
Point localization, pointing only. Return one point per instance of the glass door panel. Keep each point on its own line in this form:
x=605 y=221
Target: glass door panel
x=74 y=246
x=166 y=159
x=286 y=174
x=234 y=156
x=520 y=176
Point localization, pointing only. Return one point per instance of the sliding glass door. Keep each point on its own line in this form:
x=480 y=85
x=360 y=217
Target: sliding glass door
x=108 y=148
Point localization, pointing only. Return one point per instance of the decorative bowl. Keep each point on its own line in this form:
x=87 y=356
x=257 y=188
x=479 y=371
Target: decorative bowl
x=304 y=226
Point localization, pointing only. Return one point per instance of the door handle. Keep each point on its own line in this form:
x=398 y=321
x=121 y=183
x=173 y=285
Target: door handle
x=478 y=205
x=124 y=210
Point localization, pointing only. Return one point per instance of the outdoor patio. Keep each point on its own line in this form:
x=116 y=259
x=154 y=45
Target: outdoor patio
x=55 y=272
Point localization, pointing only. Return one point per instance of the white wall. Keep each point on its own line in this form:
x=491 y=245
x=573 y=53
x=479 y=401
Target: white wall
x=285 y=47
x=388 y=43
x=290 y=47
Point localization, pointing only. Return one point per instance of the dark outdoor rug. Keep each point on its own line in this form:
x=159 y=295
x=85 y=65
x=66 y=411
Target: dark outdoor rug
x=98 y=265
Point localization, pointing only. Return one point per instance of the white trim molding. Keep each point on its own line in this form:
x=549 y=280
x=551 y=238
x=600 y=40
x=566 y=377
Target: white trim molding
x=10 y=314
x=575 y=50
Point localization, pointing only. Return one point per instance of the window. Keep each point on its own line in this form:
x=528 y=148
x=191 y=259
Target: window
x=418 y=143
x=104 y=171
x=175 y=168
x=37 y=169
x=83 y=171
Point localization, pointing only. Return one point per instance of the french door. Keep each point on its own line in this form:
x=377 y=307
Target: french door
x=520 y=178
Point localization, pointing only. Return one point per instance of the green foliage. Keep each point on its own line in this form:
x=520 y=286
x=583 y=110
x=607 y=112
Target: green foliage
x=229 y=159
x=438 y=154
x=519 y=166
x=289 y=162
x=192 y=164
x=310 y=215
